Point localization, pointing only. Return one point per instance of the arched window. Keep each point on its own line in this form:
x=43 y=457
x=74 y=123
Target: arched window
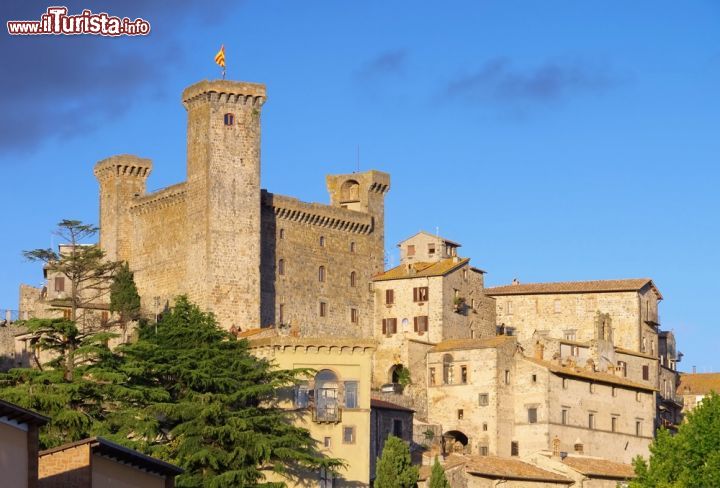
x=229 y=119
x=321 y=274
x=326 y=396
x=352 y=246
x=282 y=233
x=448 y=369
x=281 y=266
x=353 y=279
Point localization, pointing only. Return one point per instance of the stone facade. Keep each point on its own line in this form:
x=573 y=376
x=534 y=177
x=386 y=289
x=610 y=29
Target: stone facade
x=387 y=419
x=250 y=256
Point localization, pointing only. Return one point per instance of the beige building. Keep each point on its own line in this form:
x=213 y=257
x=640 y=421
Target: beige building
x=421 y=303
x=334 y=404
x=19 y=445
x=99 y=463
x=693 y=387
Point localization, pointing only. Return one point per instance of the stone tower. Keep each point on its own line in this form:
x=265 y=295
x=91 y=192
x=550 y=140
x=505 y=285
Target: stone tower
x=121 y=179
x=364 y=192
x=223 y=198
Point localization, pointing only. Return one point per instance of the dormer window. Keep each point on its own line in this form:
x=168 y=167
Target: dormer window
x=229 y=119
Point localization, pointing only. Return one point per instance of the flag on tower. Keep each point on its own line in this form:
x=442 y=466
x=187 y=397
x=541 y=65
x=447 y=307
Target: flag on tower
x=220 y=57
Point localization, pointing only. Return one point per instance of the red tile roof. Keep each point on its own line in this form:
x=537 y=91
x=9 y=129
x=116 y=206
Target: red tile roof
x=597 y=286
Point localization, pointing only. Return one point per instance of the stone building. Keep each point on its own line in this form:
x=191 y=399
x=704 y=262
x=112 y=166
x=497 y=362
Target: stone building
x=252 y=257
x=387 y=419
x=693 y=387
x=568 y=313
x=99 y=463
x=421 y=303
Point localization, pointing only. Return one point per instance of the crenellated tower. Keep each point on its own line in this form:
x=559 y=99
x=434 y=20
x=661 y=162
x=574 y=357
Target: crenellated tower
x=122 y=179
x=223 y=198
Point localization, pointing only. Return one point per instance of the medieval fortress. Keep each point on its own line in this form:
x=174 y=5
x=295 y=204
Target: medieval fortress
x=542 y=378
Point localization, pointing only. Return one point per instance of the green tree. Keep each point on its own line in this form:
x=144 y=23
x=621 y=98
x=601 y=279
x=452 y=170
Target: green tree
x=69 y=387
x=394 y=467
x=690 y=458
x=218 y=417
x=124 y=297
x=437 y=476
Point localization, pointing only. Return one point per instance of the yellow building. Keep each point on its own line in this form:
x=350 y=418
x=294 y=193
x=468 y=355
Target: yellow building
x=333 y=404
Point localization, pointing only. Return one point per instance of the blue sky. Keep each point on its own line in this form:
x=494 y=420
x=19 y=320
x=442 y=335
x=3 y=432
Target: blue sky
x=556 y=140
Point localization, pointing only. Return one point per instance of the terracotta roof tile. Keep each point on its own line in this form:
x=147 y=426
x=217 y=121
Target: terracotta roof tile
x=377 y=403
x=698 y=383
x=422 y=269
x=597 y=286
x=590 y=375
x=510 y=468
x=484 y=343
x=600 y=467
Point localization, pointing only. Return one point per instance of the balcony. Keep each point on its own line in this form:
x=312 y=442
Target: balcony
x=327 y=413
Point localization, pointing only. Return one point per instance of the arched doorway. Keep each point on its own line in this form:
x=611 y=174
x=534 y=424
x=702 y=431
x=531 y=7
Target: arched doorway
x=454 y=441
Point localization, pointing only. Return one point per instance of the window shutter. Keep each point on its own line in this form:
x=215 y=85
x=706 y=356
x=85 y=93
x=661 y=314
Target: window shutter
x=415 y=324
x=384 y=326
x=394 y=326
x=415 y=294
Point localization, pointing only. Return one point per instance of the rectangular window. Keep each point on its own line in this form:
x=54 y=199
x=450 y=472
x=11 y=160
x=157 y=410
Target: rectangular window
x=67 y=314
x=565 y=383
x=614 y=391
x=327 y=479
x=281 y=314
x=420 y=324
x=646 y=372
x=431 y=249
x=483 y=399
x=637 y=396
x=354 y=315
x=301 y=395
x=564 y=416
x=507 y=377
x=420 y=294
x=432 y=376
x=483 y=450
x=613 y=424
x=351 y=394
x=622 y=365
x=591 y=387
x=591 y=421
x=514 y=448
x=348 y=435
x=638 y=427
x=327 y=442
x=472 y=303
x=398 y=428
x=411 y=250
x=323 y=309
x=389 y=326
x=460 y=413
x=463 y=374
x=59 y=283
x=104 y=317
x=532 y=415
x=534 y=378
x=389 y=297
x=569 y=335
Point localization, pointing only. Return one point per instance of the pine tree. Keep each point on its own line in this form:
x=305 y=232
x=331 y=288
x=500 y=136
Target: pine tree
x=73 y=401
x=437 y=476
x=689 y=458
x=124 y=297
x=217 y=419
x=394 y=466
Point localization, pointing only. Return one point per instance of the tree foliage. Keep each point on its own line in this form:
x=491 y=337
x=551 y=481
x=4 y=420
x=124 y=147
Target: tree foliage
x=124 y=296
x=437 y=476
x=690 y=458
x=394 y=467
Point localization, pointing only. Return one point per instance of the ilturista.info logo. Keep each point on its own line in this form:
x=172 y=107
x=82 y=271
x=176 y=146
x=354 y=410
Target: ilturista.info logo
x=56 y=21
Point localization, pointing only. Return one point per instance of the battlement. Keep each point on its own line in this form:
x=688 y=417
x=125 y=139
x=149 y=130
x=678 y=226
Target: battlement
x=170 y=195
x=122 y=165
x=225 y=91
x=317 y=214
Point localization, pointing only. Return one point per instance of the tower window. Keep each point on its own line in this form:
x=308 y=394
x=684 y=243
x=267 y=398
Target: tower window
x=281 y=266
x=321 y=274
x=322 y=241
x=229 y=119
x=282 y=233
x=352 y=246
x=323 y=309
x=354 y=315
x=353 y=279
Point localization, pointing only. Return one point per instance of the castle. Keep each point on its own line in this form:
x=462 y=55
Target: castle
x=492 y=374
